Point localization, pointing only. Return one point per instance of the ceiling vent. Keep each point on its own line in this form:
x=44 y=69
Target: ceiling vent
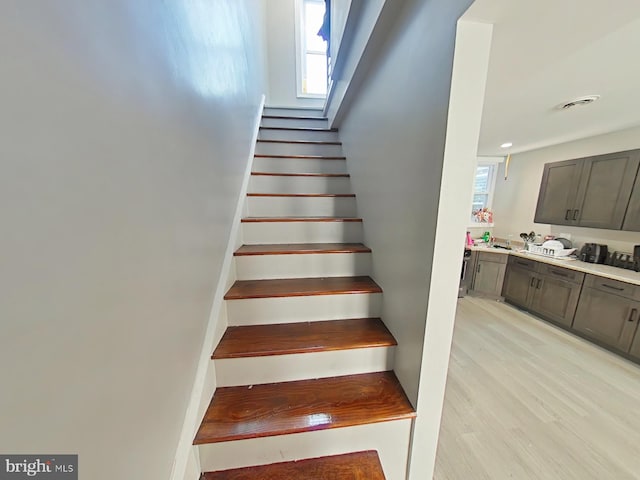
x=586 y=100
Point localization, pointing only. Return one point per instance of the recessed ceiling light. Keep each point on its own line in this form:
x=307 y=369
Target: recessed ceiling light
x=586 y=100
x=506 y=145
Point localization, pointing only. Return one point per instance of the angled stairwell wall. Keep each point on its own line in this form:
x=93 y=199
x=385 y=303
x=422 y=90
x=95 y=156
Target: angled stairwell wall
x=394 y=136
x=123 y=147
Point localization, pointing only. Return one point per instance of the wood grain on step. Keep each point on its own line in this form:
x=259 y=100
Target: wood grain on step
x=300 y=157
x=301 y=287
x=289 y=338
x=350 y=466
x=329 y=175
x=302 y=142
x=301 y=129
x=300 y=219
x=237 y=413
x=301 y=248
x=303 y=195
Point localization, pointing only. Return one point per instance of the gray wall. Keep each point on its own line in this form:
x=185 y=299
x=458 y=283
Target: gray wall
x=394 y=138
x=125 y=128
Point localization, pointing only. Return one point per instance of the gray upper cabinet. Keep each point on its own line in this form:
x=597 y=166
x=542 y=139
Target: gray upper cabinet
x=632 y=218
x=589 y=192
x=558 y=192
x=605 y=188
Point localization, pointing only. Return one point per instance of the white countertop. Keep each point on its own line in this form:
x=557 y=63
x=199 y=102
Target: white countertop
x=606 y=271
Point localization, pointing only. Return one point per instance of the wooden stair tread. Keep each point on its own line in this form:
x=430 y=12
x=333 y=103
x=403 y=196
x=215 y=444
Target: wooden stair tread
x=301 y=129
x=237 y=413
x=301 y=248
x=301 y=142
x=275 y=174
x=290 y=117
x=349 y=466
x=300 y=287
x=305 y=337
x=299 y=219
x=303 y=195
x=301 y=157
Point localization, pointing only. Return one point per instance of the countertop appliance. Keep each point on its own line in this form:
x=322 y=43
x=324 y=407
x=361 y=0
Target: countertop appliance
x=593 y=253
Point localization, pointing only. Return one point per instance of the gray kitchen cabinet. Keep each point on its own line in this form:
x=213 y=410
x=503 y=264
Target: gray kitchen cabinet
x=489 y=273
x=605 y=188
x=555 y=299
x=545 y=290
x=635 y=346
x=558 y=191
x=588 y=192
x=607 y=312
x=519 y=282
x=632 y=218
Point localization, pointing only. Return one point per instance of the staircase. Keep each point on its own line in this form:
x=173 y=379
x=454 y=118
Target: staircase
x=304 y=371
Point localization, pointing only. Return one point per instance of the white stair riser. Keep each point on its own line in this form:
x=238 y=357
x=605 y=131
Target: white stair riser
x=255 y=233
x=298 y=149
x=389 y=439
x=319 y=136
x=292 y=123
x=275 y=184
x=263 y=311
x=301 y=206
x=294 y=112
x=235 y=372
x=298 y=165
x=258 y=267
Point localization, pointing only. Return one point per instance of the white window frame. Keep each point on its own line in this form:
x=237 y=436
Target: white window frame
x=301 y=50
x=483 y=162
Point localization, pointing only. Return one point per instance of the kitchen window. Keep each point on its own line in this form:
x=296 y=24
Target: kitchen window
x=311 y=49
x=484 y=185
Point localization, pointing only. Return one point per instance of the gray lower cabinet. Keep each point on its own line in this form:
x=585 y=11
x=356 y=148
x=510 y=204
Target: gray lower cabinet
x=607 y=318
x=555 y=299
x=548 y=291
x=489 y=273
x=635 y=346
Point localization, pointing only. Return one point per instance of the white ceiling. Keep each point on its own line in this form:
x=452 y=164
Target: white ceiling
x=547 y=52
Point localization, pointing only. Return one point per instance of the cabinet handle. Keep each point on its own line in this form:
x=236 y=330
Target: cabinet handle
x=575 y=214
x=632 y=316
x=567 y=215
x=560 y=274
x=524 y=264
x=538 y=284
x=478 y=269
x=533 y=280
x=620 y=289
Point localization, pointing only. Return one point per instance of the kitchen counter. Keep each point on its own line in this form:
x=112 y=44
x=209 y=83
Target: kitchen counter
x=606 y=271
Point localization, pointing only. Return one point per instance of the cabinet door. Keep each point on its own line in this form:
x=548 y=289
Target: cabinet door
x=555 y=299
x=517 y=287
x=632 y=218
x=635 y=346
x=605 y=188
x=558 y=192
x=489 y=277
x=608 y=318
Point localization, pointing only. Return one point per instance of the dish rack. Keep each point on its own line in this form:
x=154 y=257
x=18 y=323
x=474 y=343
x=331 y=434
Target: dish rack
x=550 y=249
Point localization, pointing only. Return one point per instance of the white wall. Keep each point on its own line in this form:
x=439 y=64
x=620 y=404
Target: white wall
x=125 y=131
x=515 y=198
x=281 y=57
x=394 y=139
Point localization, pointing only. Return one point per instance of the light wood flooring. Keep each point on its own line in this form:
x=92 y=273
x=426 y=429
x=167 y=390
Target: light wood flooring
x=526 y=400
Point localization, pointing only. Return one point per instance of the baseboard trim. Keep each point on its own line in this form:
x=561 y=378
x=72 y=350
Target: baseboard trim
x=186 y=461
